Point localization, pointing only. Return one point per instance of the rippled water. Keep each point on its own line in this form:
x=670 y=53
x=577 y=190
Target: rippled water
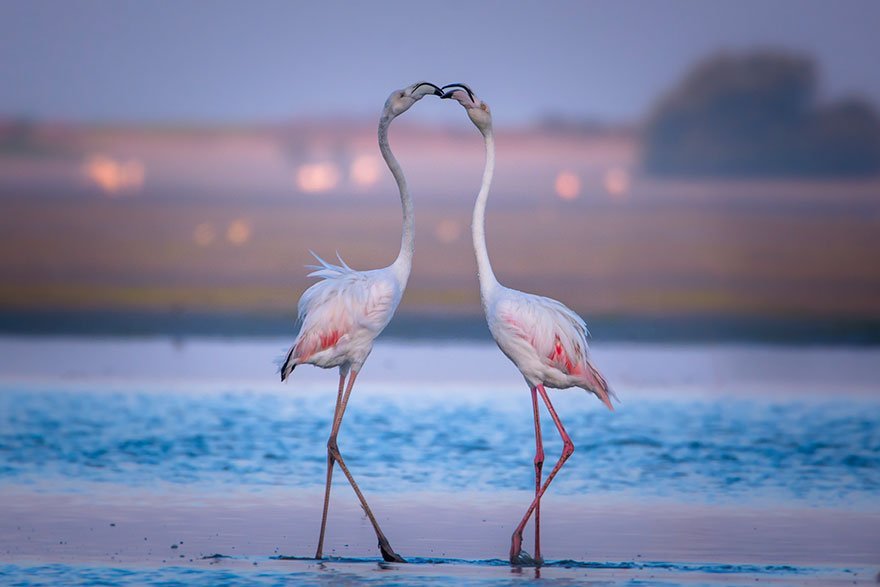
x=430 y=572
x=712 y=449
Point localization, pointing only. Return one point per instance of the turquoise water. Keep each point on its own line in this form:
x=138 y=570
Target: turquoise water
x=430 y=572
x=720 y=449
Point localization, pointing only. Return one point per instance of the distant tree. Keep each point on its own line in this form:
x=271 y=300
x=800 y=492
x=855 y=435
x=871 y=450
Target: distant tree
x=845 y=138
x=755 y=115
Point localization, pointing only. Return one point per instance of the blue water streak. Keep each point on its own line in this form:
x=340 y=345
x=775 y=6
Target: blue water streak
x=726 y=449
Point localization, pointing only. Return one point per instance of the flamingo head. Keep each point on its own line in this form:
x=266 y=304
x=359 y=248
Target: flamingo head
x=401 y=100
x=478 y=111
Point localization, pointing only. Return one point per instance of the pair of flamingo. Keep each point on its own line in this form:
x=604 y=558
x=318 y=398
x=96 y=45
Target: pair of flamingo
x=342 y=314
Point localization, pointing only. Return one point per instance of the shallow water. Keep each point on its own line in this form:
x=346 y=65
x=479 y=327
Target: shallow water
x=719 y=450
x=722 y=465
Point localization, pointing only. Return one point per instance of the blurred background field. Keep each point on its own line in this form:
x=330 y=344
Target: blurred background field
x=743 y=186
x=227 y=226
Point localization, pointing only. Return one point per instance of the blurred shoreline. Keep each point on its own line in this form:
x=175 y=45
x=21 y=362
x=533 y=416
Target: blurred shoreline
x=433 y=368
x=686 y=329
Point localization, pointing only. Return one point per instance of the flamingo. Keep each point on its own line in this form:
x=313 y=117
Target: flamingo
x=545 y=340
x=342 y=314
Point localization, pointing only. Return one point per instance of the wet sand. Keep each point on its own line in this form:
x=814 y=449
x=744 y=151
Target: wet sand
x=444 y=534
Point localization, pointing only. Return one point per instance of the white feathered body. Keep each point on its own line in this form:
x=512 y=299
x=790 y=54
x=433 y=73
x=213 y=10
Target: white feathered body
x=342 y=315
x=545 y=340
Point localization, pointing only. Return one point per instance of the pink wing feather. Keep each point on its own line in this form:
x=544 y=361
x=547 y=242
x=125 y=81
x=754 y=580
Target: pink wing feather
x=555 y=335
x=332 y=310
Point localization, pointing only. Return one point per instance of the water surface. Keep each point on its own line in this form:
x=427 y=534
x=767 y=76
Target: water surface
x=186 y=462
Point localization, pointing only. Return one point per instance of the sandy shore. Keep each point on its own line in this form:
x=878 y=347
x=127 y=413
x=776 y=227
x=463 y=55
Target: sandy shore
x=111 y=524
x=460 y=537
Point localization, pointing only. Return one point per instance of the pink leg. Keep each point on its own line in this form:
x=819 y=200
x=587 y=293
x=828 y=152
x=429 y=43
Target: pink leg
x=333 y=450
x=567 y=450
x=539 y=464
x=330 y=462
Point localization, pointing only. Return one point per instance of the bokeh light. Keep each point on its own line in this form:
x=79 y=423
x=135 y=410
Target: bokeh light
x=616 y=182
x=239 y=232
x=568 y=185
x=317 y=177
x=114 y=177
x=364 y=170
x=447 y=230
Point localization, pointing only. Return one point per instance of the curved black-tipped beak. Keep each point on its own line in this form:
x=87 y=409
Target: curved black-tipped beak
x=437 y=90
x=449 y=93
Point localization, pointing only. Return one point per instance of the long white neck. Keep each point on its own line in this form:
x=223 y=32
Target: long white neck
x=488 y=283
x=403 y=264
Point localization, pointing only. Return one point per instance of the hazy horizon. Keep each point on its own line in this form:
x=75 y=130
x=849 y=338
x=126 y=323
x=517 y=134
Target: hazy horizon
x=217 y=63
